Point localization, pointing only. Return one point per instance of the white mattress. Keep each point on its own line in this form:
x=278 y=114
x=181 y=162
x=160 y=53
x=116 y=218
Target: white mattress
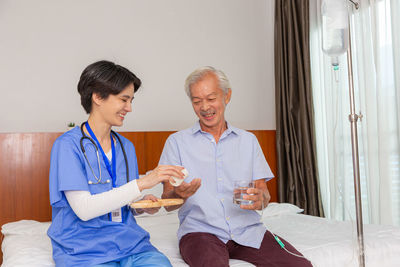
x=326 y=243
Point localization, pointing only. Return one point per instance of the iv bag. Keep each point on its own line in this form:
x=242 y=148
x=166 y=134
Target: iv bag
x=335 y=27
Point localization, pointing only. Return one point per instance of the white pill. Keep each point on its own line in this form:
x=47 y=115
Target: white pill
x=178 y=181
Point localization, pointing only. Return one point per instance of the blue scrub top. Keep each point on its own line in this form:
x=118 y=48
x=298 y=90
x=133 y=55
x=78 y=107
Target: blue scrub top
x=76 y=242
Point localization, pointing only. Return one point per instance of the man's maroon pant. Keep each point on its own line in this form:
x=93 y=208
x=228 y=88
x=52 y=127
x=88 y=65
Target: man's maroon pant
x=203 y=249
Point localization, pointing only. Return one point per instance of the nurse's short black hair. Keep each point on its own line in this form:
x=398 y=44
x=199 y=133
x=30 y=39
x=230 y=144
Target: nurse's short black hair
x=104 y=78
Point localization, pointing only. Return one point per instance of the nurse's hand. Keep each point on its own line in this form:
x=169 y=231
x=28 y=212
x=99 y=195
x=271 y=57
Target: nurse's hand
x=162 y=173
x=149 y=210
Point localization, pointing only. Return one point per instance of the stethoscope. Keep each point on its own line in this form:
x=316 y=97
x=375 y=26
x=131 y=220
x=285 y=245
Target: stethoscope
x=98 y=179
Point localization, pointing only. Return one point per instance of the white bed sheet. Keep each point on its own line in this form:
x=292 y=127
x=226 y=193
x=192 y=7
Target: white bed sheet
x=326 y=243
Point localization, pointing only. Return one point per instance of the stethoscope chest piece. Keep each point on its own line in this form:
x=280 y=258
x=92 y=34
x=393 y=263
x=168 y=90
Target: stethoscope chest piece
x=107 y=181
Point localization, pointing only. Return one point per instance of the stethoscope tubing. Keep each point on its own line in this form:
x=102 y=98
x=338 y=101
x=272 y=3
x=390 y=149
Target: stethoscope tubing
x=98 y=179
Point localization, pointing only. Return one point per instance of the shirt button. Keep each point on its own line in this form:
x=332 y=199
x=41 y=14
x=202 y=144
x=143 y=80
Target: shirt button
x=227 y=218
x=219 y=179
x=222 y=200
x=231 y=235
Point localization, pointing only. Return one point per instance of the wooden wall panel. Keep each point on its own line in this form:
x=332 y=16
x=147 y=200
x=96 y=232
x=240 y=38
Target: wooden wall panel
x=24 y=172
x=149 y=146
x=25 y=161
x=154 y=146
x=138 y=140
x=8 y=166
x=268 y=145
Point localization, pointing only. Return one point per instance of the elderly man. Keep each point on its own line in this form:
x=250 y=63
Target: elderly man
x=212 y=228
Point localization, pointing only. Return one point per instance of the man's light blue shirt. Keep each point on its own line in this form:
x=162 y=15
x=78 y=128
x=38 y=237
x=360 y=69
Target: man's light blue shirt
x=236 y=156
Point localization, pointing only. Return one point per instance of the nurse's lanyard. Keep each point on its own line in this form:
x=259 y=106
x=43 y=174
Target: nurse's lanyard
x=115 y=215
x=112 y=170
x=98 y=179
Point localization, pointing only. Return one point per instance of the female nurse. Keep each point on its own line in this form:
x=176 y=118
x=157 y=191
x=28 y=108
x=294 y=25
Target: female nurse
x=94 y=176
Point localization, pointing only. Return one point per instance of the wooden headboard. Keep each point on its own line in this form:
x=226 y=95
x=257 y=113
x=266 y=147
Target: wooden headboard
x=25 y=160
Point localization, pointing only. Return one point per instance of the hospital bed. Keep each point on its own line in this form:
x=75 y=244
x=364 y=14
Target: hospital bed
x=25 y=210
x=324 y=242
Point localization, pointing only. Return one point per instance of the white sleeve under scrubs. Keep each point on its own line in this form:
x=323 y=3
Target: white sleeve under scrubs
x=99 y=240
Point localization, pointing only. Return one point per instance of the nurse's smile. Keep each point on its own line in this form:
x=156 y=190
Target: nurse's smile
x=122 y=116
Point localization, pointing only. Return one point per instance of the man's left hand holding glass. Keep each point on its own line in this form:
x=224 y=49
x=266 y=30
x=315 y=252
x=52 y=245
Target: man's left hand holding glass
x=259 y=196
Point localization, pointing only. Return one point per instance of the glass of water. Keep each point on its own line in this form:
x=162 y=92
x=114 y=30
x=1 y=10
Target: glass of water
x=239 y=190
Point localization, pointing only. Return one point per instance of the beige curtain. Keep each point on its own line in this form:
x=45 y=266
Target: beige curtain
x=297 y=167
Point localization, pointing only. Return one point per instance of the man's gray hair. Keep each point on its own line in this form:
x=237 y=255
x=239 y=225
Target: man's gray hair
x=199 y=73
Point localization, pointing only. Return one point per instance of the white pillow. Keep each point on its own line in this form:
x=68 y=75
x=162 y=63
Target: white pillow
x=275 y=209
x=25 y=227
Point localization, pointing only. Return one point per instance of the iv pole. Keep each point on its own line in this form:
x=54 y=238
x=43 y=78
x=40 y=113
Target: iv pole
x=353 y=117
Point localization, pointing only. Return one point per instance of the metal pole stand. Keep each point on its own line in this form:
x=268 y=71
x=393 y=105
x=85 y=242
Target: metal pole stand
x=353 y=117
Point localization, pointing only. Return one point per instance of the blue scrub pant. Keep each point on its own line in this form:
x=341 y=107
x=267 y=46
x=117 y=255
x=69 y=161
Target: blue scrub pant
x=149 y=258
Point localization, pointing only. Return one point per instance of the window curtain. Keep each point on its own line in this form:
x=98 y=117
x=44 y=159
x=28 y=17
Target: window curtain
x=296 y=156
x=375 y=37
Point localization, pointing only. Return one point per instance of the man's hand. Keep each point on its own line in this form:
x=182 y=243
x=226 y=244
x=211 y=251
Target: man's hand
x=185 y=190
x=259 y=195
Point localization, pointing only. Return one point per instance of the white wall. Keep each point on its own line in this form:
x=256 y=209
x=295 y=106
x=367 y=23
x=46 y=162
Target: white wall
x=45 y=45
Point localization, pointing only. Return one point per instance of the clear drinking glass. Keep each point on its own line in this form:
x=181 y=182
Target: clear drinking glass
x=239 y=190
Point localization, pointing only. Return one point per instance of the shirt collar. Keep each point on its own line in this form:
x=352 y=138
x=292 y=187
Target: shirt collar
x=196 y=128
